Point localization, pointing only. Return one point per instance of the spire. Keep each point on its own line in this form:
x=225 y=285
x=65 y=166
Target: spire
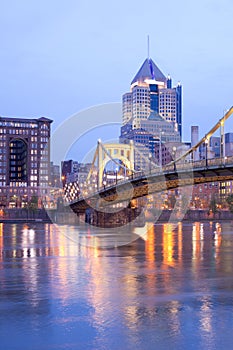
x=149 y=70
x=148 y=47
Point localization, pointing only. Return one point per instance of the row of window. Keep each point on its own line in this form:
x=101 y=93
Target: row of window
x=22 y=124
x=19 y=125
x=29 y=132
x=20 y=184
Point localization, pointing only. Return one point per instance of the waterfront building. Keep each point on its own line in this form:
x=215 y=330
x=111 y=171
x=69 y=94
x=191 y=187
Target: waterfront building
x=24 y=160
x=203 y=194
x=152 y=92
x=55 y=176
x=66 y=169
x=73 y=171
x=82 y=172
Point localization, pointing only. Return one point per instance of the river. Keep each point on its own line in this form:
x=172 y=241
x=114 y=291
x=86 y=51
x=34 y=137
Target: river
x=171 y=287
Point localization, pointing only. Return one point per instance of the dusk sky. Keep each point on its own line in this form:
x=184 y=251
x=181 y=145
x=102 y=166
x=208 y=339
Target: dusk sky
x=59 y=57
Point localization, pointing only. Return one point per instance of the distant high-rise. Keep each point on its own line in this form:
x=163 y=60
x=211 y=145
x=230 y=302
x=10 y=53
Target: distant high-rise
x=152 y=93
x=194 y=140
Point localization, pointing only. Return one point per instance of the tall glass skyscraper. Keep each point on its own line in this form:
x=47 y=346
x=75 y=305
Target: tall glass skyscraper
x=152 y=93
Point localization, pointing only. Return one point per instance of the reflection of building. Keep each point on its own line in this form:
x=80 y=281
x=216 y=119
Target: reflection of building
x=24 y=159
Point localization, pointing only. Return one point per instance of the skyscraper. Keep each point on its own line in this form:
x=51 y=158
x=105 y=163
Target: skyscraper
x=152 y=93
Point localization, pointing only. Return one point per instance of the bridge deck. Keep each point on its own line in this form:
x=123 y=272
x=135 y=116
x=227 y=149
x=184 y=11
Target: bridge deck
x=157 y=180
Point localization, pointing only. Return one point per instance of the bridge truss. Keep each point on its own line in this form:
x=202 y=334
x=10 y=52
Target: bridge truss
x=182 y=171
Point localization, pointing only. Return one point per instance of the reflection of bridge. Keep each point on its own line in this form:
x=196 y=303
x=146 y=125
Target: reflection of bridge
x=180 y=172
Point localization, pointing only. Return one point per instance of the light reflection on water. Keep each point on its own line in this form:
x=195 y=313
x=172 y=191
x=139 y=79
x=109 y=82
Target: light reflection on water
x=170 y=287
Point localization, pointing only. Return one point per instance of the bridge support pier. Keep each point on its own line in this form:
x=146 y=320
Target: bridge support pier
x=115 y=219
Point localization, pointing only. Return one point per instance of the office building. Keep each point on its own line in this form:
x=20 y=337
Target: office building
x=24 y=159
x=153 y=131
x=194 y=141
x=55 y=176
x=152 y=92
x=73 y=171
x=229 y=144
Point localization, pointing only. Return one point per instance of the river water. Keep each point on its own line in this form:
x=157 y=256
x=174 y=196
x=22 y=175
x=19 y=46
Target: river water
x=170 y=288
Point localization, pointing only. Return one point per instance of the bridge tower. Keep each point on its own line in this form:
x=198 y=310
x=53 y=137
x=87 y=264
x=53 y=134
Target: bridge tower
x=114 y=152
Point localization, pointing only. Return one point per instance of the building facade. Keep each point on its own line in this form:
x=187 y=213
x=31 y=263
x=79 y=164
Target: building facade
x=55 y=176
x=194 y=141
x=73 y=171
x=151 y=92
x=24 y=159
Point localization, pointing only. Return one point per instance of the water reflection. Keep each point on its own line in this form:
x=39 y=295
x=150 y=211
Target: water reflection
x=168 y=245
x=167 y=287
x=1 y=242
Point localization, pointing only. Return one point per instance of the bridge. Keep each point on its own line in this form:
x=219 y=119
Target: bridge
x=126 y=184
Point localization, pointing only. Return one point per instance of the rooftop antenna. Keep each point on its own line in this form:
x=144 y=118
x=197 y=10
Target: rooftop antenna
x=148 y=46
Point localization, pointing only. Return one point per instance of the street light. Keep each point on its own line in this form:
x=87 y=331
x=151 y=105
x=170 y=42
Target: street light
x=150 y=157
x=174 y=156
x=206 y=152
x=116 y=174
x=160 y=148
x=125 y=171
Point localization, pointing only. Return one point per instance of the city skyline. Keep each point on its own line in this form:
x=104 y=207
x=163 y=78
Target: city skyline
x=55 y=63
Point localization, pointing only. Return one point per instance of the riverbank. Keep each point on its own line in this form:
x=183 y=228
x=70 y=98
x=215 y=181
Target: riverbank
x=19 y=215
x=189 y=215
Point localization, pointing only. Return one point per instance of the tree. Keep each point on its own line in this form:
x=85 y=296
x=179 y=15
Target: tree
x=213 y=204
x=33 y=204
x=171 y=201
x=229 y=201
x=185 y=201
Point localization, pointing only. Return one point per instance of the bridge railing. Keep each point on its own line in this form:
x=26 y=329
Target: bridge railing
x=171 y=167
x=181 y=165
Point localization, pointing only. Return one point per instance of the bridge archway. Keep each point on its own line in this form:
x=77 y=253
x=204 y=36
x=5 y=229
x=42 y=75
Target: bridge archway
x=114 y=152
